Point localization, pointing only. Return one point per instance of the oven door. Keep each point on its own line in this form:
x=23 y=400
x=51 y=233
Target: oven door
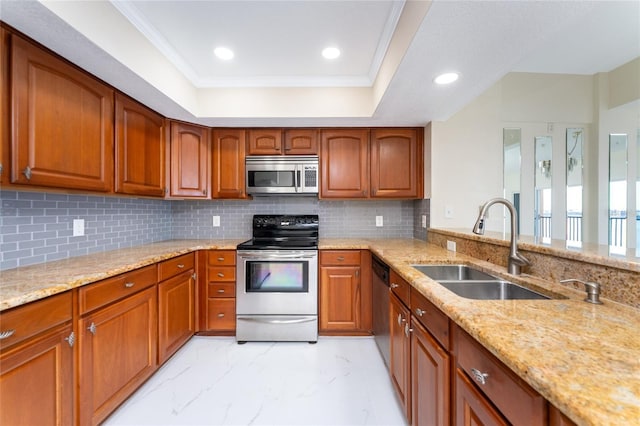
x=277 y=282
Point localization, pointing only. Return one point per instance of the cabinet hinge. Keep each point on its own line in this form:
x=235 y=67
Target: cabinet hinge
x=71 y=339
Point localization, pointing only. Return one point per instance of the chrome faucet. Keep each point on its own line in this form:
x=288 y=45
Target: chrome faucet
x=516 y=260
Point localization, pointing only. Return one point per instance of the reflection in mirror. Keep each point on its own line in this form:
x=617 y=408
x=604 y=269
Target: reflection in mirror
x=542 y=216
x=511 y=173
x=618 y=193
x=574 y=186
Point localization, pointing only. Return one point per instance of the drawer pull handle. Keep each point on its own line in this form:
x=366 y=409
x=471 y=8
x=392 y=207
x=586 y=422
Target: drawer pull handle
x=220 y=315
x=220 y=291
x=6 y=334
x=340 y=258
x=221 y=259
x=220 y=274
x=479 y=376
x=129 y=284
x=92 y=328
x=394 y=285
x=180 y=265
x=420 y=312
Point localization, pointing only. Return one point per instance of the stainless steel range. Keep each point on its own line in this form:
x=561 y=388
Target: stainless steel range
x=277 y=280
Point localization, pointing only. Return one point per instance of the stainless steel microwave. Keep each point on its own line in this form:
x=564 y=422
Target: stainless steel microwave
x=282 y=175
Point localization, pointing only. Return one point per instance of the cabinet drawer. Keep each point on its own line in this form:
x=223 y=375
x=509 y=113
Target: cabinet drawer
x=104 y=292
x=222 y=273
x=222 y=289
x=22 y=322
x=221 y=314
x=339 y=257
x=400 y=287
x=222 y=257
x=517 y=401
x=177 y=265
x=432 y=318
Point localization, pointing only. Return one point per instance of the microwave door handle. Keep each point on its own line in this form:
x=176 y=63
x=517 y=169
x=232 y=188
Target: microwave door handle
x=297 y=181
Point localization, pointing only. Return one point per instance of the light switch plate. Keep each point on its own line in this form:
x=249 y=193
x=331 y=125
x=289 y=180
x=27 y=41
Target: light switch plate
x=216 y=221
x=78 y=227
x=448 y=212
x=379 y=221
x=424 y=220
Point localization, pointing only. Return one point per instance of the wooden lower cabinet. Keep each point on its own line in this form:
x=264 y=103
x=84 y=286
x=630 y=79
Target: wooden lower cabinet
x=472 y=408
x=400 y=362
x=36 y=380
x=220 y=290
x=117 y=352
x=430 y=379
x=345 y=294
x=176 y=313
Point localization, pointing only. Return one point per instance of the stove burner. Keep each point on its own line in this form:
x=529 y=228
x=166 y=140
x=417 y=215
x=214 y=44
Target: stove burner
x=283 y=232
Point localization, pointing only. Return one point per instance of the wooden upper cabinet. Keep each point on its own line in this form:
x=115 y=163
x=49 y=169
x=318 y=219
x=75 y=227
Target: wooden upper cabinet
x=265 y=142
x=141 y=146
x=344 y=163
x=301 y=142
x=396 y=163
x=229 y=150
x=189 y=170
x=62 y=122
x=5 y=138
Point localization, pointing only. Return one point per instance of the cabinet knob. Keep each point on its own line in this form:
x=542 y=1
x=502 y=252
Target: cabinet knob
x=92 y=328
x=27 y=172
x=194 y=276
x=220 y=291
x=340 y=259
x=407 y=329
x=129 y=284
x=479 y=376
x=6 y=334
x=221 y=259
x=400 y=319
x=394 y=285
x=420 y=312
x=220 y=274
x=180 y=265
x=220 y=315
x=71 y=339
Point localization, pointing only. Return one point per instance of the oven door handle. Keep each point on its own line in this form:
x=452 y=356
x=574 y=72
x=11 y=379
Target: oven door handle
x=278 y=321
x=279 y=256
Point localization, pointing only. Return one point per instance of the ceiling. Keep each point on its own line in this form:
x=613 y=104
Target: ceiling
x=160 y=52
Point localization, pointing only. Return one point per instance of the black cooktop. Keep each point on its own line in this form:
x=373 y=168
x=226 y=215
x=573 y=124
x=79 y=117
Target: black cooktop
x=283 y=232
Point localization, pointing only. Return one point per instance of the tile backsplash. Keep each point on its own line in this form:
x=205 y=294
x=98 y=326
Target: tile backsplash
x=37 y=227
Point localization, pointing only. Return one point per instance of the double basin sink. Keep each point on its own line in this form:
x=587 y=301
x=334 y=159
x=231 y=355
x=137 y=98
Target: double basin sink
x=471 y=283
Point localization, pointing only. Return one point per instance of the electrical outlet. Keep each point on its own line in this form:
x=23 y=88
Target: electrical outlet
x=424 y=220
x=78 y=227
x=448 y=212
x=216 y=221
x=451 y=245
x=379 y=221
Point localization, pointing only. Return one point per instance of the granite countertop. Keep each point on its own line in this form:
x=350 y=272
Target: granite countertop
x=585 y=359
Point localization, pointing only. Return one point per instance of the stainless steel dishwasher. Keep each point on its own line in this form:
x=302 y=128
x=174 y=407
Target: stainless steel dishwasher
x=380 y=277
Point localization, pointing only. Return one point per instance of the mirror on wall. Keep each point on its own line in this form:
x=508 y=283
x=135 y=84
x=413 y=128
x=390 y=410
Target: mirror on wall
x=542 y=201
x=618 y=193
x=574 y=144
x=511 y=140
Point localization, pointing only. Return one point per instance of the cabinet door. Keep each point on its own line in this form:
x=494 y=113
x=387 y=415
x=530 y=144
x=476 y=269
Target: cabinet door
x=229 y=147
x=344 y=163
x=430 y=377
x=118 y=346
x=472 y=409
x=189 y=170
x=301 y=142
x=5 y=138
x=396 y=163
x=265 y=141
x=400 y=362
x=62 y=128
x=141 y=147
x=340 y=294
x=176 y=318
x=36 y=381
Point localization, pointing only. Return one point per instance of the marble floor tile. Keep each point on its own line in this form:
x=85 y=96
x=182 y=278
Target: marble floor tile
x=215 y=381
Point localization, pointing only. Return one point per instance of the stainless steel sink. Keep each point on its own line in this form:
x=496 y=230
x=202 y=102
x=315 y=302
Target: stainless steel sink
x=471 y=283
x=453 y=272
x=491 y=290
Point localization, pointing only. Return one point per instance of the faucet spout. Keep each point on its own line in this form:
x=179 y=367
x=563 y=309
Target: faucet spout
x=515 y=260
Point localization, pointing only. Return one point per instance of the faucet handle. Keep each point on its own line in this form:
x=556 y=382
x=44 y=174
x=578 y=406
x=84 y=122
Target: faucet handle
x=592 y=288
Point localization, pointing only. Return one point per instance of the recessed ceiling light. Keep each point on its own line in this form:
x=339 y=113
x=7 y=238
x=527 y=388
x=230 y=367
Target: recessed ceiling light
x=223 y=53
x=446 y=78
x=331 y=52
